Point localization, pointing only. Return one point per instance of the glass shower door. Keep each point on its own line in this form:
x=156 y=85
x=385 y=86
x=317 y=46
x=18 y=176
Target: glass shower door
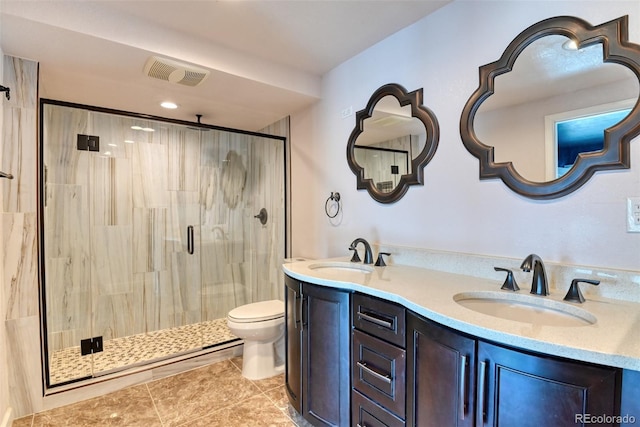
x=151 y=237
x=152 y=263
x=242 y=176
x=66 y=248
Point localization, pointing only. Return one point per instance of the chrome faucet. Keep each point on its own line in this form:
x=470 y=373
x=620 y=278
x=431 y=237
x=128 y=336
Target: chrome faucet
x=368 y=255
x=539 y=285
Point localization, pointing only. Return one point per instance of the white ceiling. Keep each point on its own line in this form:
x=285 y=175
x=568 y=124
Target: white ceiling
x=266 y=58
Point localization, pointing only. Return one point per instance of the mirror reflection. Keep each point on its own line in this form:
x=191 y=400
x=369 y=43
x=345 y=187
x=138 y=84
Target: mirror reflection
x=391 y=138
x=554 y=104
x=394 y=138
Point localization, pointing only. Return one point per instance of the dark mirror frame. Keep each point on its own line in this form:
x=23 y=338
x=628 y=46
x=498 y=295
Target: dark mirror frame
x=615 y=155
x=419 y=111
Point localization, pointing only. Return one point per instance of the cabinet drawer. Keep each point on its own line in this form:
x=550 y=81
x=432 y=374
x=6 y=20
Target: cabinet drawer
x=365 y=413
x=378 y=371
x=379 y=318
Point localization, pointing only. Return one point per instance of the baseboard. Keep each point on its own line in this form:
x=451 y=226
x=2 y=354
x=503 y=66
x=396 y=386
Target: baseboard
x=7 y=419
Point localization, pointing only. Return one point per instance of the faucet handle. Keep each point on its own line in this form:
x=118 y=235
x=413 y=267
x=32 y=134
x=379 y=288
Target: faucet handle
x=380 y=261
x=510 y=281
x=355 y=257
x=574 y=294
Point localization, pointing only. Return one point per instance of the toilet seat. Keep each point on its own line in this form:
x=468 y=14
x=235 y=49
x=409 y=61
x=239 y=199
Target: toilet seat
x=257 y=312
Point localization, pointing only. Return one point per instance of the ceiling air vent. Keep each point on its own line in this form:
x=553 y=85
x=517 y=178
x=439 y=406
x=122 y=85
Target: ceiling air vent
x=174 y=71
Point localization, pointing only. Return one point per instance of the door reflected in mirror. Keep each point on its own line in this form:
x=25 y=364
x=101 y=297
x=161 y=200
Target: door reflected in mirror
x=390 y=139
x=554 y=104
x=383 y=166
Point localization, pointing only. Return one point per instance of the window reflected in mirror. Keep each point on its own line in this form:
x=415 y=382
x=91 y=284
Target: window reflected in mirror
x=576 y=132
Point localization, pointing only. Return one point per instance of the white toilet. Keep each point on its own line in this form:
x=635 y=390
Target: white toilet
x=261 y=326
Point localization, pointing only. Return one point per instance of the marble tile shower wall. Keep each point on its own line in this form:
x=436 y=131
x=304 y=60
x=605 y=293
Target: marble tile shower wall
x=124 y=268
x=19 y=236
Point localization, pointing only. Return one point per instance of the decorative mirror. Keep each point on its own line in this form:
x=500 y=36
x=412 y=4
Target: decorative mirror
x=560 y=104
x=394 y=138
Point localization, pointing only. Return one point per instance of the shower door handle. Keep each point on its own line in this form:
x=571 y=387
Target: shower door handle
x=190 y=239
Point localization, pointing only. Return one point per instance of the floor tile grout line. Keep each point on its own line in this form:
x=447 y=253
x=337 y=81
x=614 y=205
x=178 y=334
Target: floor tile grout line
x=284 y=411
x=253 y=384
x=231 y=406
x=153 y=402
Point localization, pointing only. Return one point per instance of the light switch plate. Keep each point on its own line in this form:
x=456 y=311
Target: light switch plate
x=633 y=214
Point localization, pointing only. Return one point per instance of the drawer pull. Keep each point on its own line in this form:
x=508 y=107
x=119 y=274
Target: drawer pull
x=373 y=319
x=385 y=378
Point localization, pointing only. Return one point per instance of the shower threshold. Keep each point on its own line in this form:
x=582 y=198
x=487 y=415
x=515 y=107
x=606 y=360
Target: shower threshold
x=122 y=353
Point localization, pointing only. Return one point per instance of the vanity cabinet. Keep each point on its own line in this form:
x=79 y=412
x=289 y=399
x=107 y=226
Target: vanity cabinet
x=317 y=342
x=441 y=380
x=358 y=360
x=378 y=362
x=456 y=380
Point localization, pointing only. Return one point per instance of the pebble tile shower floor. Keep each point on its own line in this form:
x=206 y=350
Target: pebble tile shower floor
x=215 y=395
x=68 y=364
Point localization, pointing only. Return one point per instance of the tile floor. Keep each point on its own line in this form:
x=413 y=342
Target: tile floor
x=214 y=395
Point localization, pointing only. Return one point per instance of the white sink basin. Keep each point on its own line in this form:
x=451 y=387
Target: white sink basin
x=525 y=308
x=342 y=266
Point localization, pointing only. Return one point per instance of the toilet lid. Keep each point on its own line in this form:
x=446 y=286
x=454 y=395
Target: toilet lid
x=258 y=311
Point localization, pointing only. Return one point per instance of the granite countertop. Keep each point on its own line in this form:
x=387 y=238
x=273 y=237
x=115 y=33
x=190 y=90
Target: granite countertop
x=613 y=340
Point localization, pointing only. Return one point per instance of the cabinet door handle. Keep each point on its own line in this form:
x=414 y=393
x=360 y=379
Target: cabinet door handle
x=302 y=304
x=374 y=319
x=462 y=387
x=295 y=310
x=190 y=239
x=383 y=377
x=480 y=413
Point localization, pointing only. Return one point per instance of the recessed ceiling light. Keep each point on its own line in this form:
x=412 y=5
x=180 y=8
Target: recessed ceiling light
x=136 y=127
x=169 y=105
x=128 y=141
x=112 y=145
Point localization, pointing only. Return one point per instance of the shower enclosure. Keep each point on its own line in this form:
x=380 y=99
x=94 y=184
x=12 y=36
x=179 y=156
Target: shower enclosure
x=149 y=236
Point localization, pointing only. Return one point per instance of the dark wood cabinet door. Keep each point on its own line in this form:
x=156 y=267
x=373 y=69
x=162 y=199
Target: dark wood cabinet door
x=326 y=356
x=440 y=376
x=293 y=342
x=520 y=390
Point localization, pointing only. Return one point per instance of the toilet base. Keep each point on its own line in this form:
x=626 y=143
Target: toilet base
x=258 y=361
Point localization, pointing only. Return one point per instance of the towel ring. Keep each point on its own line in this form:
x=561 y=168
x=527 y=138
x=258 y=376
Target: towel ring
x=333 y=197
